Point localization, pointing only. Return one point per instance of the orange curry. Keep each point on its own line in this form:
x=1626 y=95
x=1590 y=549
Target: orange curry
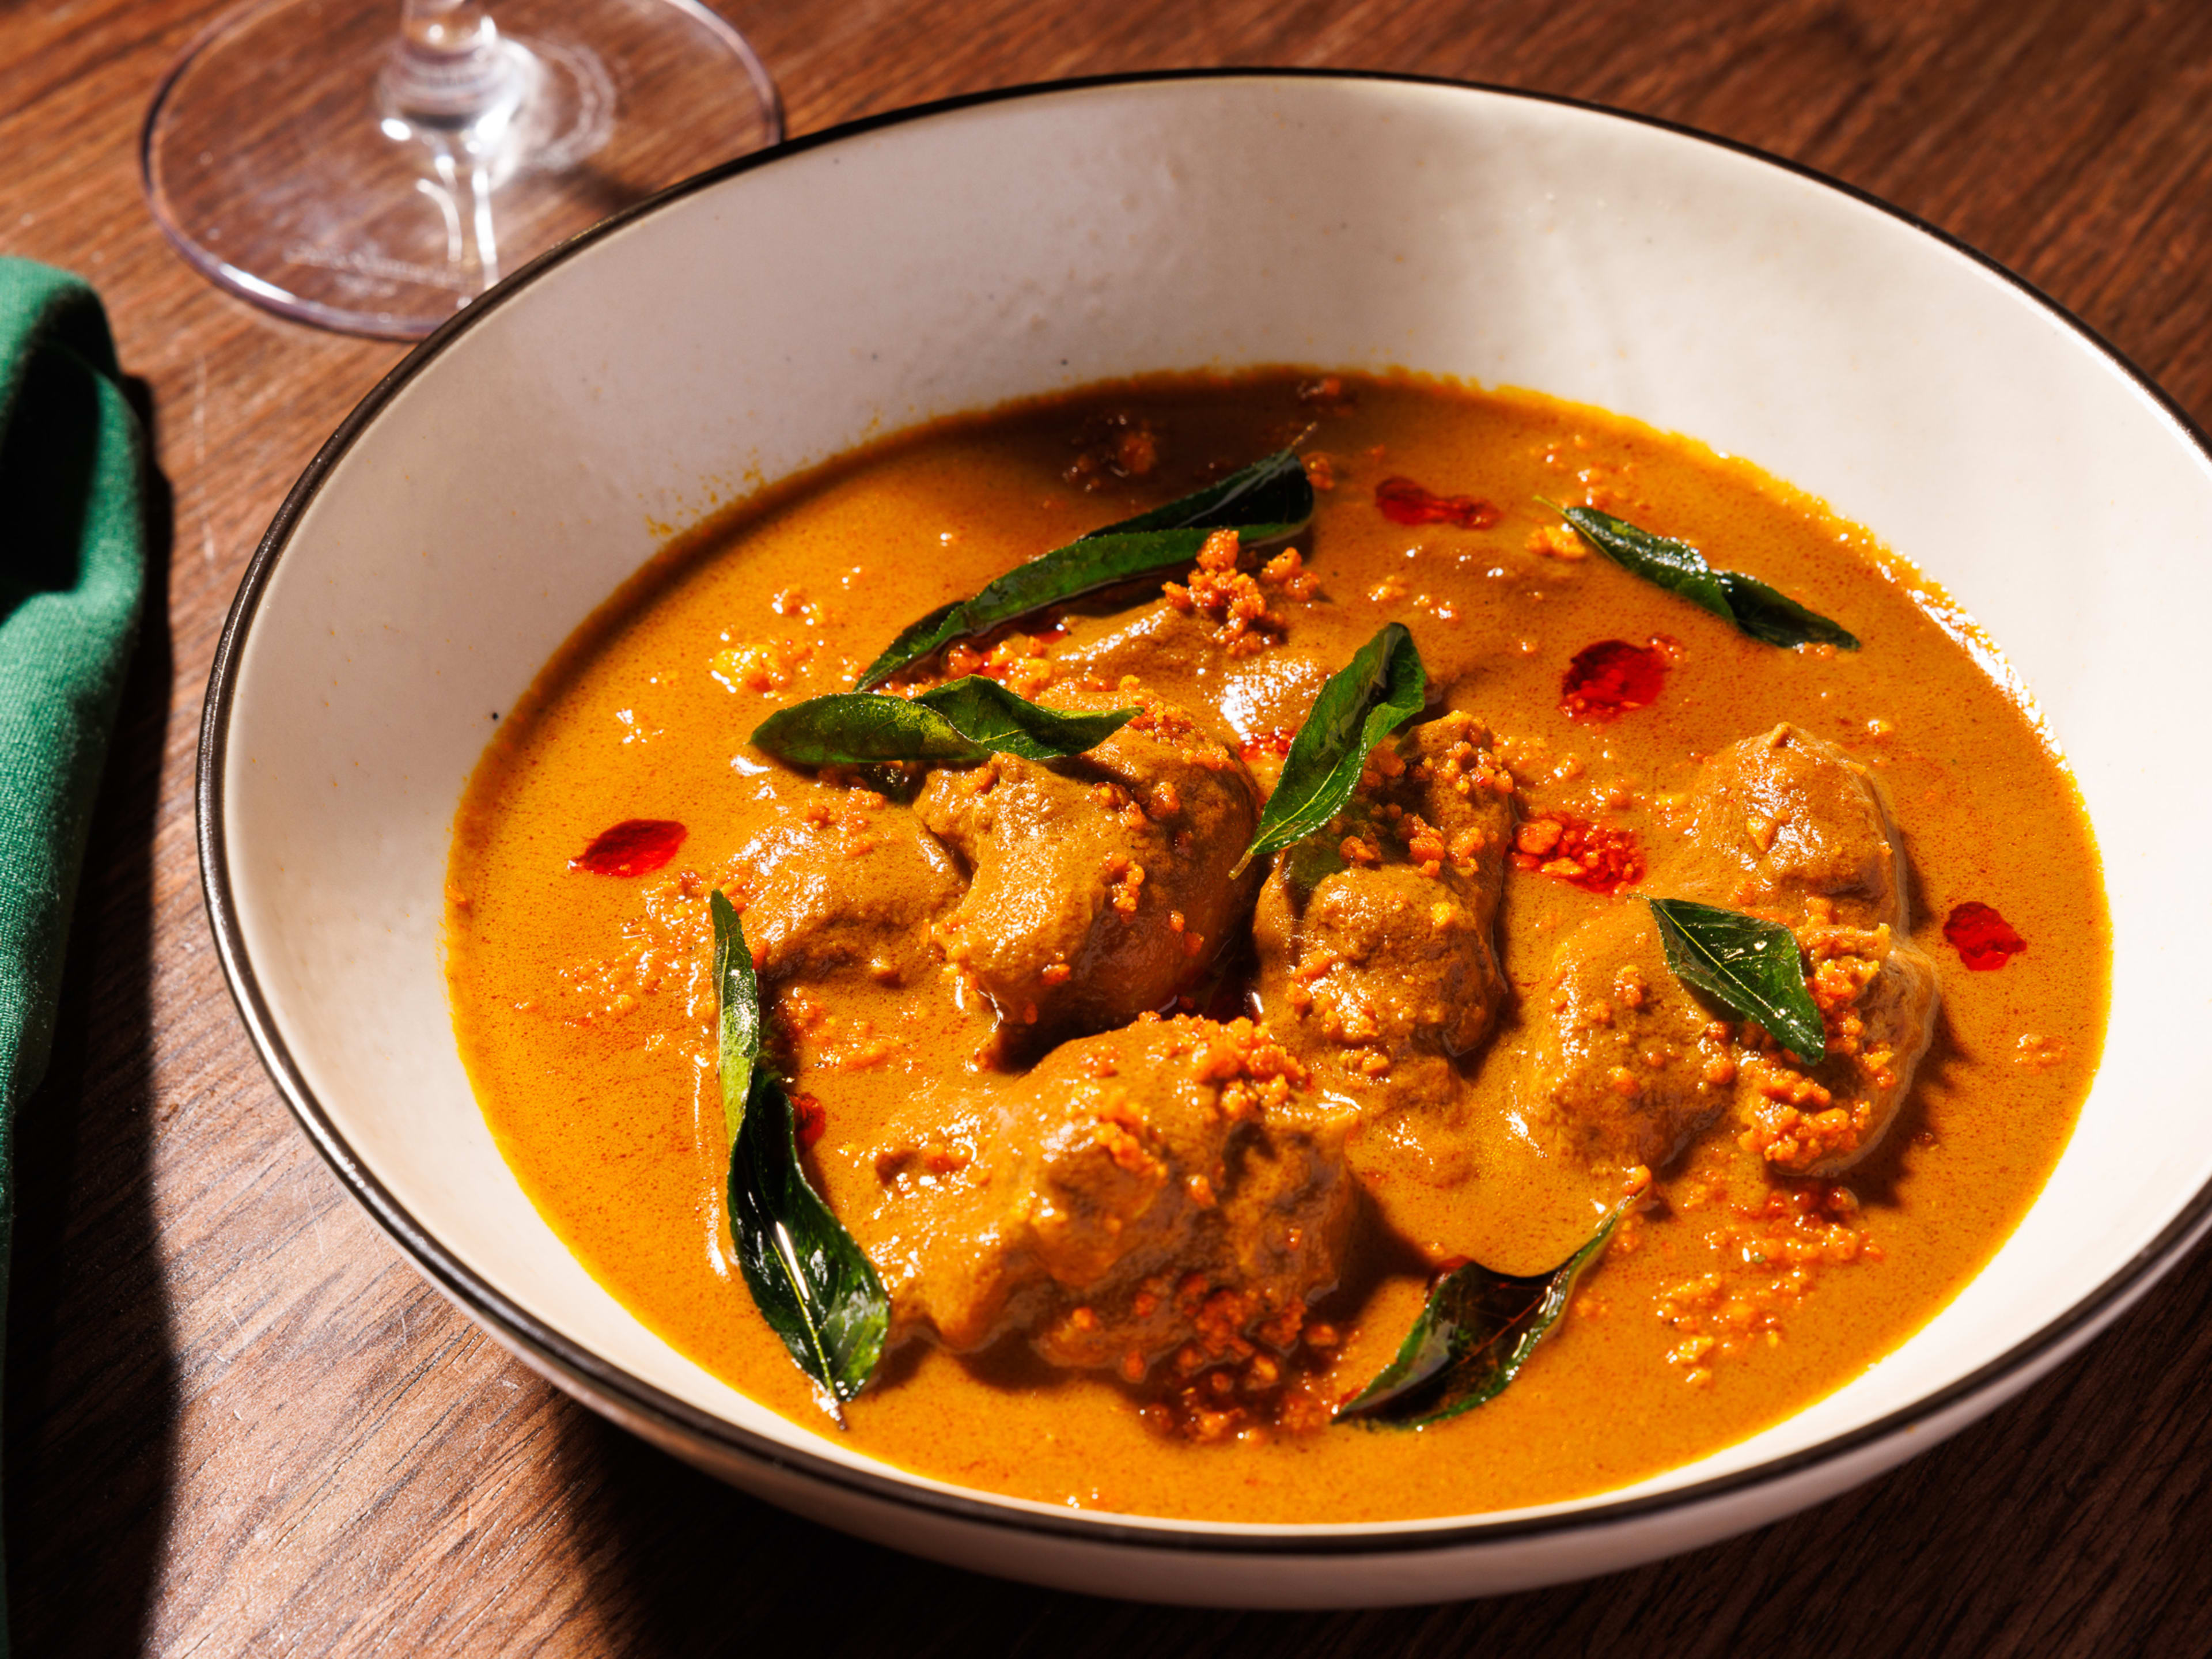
x=1156 y=1155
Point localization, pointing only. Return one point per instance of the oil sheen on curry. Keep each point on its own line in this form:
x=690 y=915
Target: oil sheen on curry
x=1159 y=1153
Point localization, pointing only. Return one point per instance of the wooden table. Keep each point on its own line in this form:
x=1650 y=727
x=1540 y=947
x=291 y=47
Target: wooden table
x=238 y=1422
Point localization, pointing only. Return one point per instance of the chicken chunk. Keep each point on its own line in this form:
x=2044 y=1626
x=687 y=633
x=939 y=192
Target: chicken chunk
x=1876 y=992
x=1175 y=655
x=1792 y=827
x=1101 y=886
x=1377 y=961
x=1630 y=1065
x=842 y=883
x=1785 y=822
x=1168 y=1191
x=1626 y=1065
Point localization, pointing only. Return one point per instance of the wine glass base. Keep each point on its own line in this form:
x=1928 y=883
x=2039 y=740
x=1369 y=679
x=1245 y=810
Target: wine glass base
x=270 y=161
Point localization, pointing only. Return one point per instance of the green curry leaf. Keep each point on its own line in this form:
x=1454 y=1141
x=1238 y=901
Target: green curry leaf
x=1003 y=723
x=736 y=1013
x=1765 y=613
x=1274 y=490
x=1768 y=614
x=1475 y=1333
x=1748 y=964
x=809 y=1278
x=1265 y=502
x=969 y=719
x=1382 y=688
x=915 y=641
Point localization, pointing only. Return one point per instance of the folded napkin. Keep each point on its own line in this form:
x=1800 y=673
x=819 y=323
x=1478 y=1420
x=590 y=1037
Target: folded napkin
x=72 y=570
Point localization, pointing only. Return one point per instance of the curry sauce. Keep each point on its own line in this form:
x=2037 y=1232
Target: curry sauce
x=1483 y=1088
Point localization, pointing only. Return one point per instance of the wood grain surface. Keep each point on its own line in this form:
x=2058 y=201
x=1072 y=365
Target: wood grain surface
x=238 y=1422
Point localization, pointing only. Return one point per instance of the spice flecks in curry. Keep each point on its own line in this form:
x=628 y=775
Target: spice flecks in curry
x=1134 y=1260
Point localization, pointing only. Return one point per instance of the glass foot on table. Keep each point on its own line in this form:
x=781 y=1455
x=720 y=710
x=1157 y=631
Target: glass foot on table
x=372 y=166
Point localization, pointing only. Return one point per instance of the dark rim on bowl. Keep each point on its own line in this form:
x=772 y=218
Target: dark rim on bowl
x=630 y=1398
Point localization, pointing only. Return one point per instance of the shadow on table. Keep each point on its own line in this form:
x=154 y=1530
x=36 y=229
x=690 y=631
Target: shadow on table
x=92 y=1394
x=699 y=1568
x=2074 y=1521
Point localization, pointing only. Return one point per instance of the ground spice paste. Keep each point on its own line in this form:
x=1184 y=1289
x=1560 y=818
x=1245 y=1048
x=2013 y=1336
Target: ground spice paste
x=1157 y=1158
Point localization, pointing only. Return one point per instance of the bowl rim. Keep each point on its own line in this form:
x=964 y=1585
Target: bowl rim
x=633 y=1400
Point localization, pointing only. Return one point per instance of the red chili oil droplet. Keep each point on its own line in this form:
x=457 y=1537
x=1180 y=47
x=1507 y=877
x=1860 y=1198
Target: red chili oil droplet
x=1598 y=858
x=632 y=848
x=810 y=1121
x=1276 y=743
x=1403 y=502
x=1607 y=679
x=1983 y=939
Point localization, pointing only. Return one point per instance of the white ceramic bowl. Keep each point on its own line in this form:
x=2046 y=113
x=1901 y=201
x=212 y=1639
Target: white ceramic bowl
x=507 y=476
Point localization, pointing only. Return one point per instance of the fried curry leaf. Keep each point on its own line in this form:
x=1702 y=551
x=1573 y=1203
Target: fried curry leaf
x=1265 y=502
x=969 y=719
x=1661 y=560
x=737 y=1012
x=1381 y=689
x=810 y=1279
x=1763 y=612
x=1748 y=964
x=1006 y=724
x=1272 y=490
x=1768 y=614
x=1475 y=1333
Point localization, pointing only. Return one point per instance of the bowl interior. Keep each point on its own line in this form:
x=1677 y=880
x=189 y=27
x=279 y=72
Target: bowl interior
x=484 y=505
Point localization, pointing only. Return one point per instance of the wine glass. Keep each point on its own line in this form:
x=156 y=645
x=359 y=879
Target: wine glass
x=304 y=155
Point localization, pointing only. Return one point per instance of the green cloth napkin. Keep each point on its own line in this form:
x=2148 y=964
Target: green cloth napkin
x=72 y=573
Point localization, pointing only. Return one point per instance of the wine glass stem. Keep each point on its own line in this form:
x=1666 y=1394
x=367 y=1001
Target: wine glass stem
x=454 y=85
x=447 y=70
x=461 y=191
